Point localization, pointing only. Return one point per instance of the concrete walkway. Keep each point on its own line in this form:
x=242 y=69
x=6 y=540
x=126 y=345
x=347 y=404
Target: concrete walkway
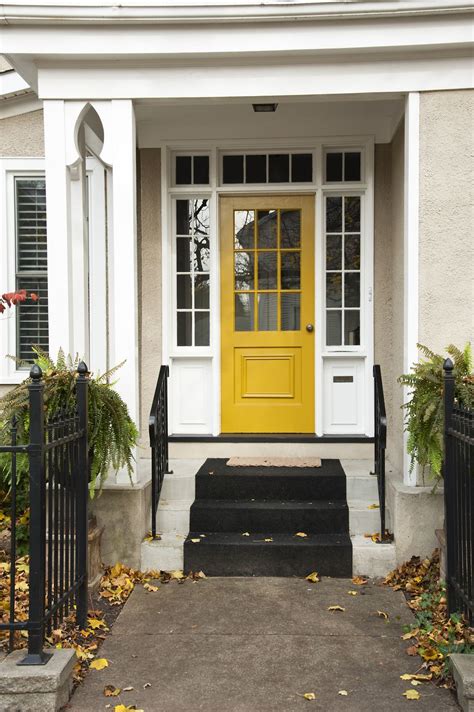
x=257 y=645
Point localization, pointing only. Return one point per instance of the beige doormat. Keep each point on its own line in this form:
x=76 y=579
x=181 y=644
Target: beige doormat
x=274 y=462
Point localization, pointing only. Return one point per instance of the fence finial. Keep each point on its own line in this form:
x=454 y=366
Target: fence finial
x=82 y=369
x=35 y=372
x=448 y=365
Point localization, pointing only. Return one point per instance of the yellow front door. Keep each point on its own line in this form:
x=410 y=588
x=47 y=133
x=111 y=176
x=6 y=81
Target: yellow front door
x=267 y=314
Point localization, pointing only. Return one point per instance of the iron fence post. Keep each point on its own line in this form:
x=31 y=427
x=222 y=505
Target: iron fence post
x=37 y=548
x=449 y=494
x=82 y=385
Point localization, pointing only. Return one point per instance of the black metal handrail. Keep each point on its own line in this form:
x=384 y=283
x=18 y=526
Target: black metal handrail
x=380 y=444
x=458 y=471
x=58 y=464
x=158 y=432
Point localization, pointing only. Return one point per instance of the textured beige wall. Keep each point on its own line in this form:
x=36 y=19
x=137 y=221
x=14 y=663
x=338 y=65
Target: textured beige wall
x=149 y=278
x=446 y=296
x=388 y=283
x=22 y=135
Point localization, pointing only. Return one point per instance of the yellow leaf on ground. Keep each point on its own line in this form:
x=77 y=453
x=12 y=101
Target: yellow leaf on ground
x=268 y=539
x=115 y=570
x=309 y=696
x=245 y=533
x=336 y=608
x=195 y=541
x=150 y=588
x=416 y=682
x=430 y=654
x=383 y=615
x=201 y=574
x=344 y=693
x=126 y=708
x=111 y=691
x=359 y=580
x=95 y=623
x=177 y=574
x=373 y=506
x=411 y=634
x=352 y=593
x=411 y=694
x=302 y=535
x=99 y=664
x=313 y=577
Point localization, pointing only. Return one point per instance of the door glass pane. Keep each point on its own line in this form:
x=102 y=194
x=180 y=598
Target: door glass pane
x=290 y=270
x=244 y=270
x=183 y=170
x=184 y=328
x=334 y=214
x=352 y=327
x=352 y=252
x=201 y=328
x=267 y=270
x=352 y=289
x=201 y=291
x=290 y=312
x=278 y=168
x=183 y=291
x=290 y=228
x=244 y=320
x=333 y=328
x=183 y=254
x=267 y=312
x=256 y=169
x=267 y=228
x=334 y=252
x=183 y=217
x=201 y=253
x=233 y=169
x=352 y=166
x=201 y=217
x=244 y=229
x=334 y=289
x=352 y=213
x=302 y=168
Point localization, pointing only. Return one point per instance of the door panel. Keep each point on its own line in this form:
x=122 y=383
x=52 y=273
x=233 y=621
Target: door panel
x=267 y=298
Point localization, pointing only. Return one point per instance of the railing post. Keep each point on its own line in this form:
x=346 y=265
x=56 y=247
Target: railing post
x=449 y=485
x=37 y=546
x=82 y=385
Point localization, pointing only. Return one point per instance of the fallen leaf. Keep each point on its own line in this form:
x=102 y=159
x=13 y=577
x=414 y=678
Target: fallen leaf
x=416 y=676
x=201 y=575
x=302 y=535
x=416 y=682
x=373 y=506
x=314 y=578
x=245 y=534
x=99 y=664
x=111 y=691
x=177 y=574
x=429 y=654
x=359 y=580
x=411 y=694
x=150 y=588
x=411 y=634
x=352 y=593
x=195 y=541
x=268 y=539
x=309 y=696
x=125 y=708
x=336 y=608
x=128 y=689
x=147 y=684
x=344 y=693
x=412 y=650
x=95 y=623
x=383 y=615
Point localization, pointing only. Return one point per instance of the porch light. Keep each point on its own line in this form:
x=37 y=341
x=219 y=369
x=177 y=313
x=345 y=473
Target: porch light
x=262 y=108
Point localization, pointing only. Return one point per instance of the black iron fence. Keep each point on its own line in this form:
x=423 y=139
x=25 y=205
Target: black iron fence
x=380 y=444
x=58 y=497
x=158 y=432
x=458 y=472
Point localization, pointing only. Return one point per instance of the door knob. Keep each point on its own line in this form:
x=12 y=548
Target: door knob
x=309 y=327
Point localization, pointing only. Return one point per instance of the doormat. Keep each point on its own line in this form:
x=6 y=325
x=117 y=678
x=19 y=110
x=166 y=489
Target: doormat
x=274 y=462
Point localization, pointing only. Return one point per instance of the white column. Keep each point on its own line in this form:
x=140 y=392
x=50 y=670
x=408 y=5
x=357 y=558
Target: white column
x=123 y=293
x=59 y=243
x=411 y=231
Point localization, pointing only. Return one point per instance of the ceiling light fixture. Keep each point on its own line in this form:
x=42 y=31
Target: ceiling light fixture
x=264 y=108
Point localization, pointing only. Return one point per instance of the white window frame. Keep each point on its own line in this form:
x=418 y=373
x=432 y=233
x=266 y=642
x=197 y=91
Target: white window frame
x=319 y=188
x=10 y=169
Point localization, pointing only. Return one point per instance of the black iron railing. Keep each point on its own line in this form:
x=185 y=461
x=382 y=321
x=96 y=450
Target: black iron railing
x=458 y=472
x=380 y=443
x=58 y=497
x=158 y=431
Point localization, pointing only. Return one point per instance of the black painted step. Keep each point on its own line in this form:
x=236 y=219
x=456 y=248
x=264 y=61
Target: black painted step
x=231 y=554
x=215 y=480
x=215 y=515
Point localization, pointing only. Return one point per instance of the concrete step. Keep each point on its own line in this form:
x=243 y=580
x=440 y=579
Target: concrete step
x=371 y=559
x=165 y=554
x=173 y=516
x=363 y=520
x=193 y=449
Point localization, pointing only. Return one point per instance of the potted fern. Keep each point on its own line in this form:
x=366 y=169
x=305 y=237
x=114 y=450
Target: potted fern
x=424 y=416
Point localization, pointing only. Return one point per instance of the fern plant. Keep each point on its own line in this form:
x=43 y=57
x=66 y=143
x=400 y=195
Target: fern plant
x=112 y=433
x=424 y=412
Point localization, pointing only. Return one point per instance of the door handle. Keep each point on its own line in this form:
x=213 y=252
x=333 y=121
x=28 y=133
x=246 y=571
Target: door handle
x=309 y=327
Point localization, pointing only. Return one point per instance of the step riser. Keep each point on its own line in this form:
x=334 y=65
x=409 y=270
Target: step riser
x=275 y=561
x=173 y=520
x=362 y=488
x=268 y=520
x=269 y=487
x=350 y=451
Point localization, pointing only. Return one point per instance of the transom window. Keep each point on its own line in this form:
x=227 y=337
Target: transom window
x=254 y=168
x=267 y=270
x=191 y=170
x=343 y=261
x=343 y=166
x=192 y=272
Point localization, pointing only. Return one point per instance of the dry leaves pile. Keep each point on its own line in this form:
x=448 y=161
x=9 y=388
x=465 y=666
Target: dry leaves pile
x=434 y=635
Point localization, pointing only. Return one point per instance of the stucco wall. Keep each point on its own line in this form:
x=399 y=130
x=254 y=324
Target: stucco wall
x=22 y=135
x=388 y=282
x=149 y=278
x=446 y=296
